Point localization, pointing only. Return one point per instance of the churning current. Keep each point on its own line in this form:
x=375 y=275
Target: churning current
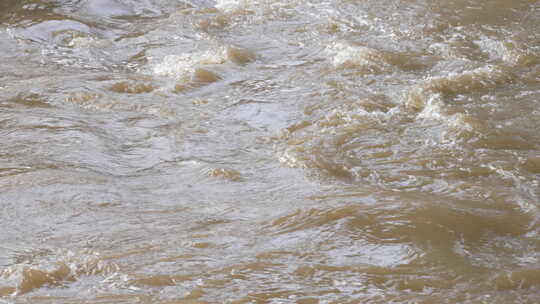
x=269 y=151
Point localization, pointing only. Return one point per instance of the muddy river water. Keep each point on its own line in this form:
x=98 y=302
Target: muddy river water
x=269 y=151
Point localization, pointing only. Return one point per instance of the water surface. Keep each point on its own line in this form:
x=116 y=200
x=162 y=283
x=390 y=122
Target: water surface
x=261 y=151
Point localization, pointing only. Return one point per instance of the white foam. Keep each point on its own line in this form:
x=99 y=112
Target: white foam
x=85 y=42
x=456 y=83
x=184 y=65
x=510 y=52
x=433 y=108
x=233 y=6
x=348 y=56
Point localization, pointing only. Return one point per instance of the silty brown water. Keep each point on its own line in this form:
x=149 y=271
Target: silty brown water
x=260 y=151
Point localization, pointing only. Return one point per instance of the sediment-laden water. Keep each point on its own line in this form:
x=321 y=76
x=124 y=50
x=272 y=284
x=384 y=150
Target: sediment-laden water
x=261 y=151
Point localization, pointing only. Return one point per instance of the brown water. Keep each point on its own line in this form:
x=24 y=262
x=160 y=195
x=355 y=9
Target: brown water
x=268 y=151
